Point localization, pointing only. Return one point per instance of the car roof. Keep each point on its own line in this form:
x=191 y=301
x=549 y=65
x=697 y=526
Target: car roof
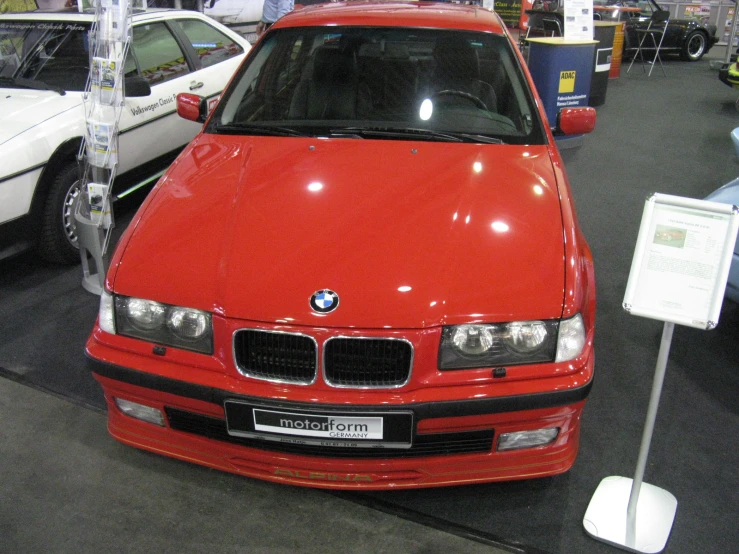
x=72 y=14
x=436 y=15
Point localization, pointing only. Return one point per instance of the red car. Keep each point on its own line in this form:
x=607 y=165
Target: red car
x=366 y=271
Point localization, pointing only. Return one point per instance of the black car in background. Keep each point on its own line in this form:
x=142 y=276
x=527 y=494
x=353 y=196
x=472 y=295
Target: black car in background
x=690 y=38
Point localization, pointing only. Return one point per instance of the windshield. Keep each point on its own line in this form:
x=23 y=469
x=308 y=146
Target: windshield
x=382 y=82
x=44 y=54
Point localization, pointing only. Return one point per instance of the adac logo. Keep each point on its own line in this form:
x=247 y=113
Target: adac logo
x=324 y=301
x=567 y=81
x=320 y=476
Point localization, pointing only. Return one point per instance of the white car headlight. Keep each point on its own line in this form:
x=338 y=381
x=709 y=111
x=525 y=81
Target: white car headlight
x=488 y=345
x=473 y=340
x=477 y=345
x=525 y=337
x=164 y=324
x=145 y=315
x=189 y=325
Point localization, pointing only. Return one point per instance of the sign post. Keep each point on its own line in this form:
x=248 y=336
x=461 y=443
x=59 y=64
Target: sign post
x=678 y=275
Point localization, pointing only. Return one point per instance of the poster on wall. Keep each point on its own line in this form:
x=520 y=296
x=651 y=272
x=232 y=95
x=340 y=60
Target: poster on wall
x=698 y=12
x=578 y=15
x=681 y=261
x=509 y=11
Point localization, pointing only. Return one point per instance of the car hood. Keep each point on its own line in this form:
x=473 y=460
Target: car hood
x=22 y=109
x=409 y=234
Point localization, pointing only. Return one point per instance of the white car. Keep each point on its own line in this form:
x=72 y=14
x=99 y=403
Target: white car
x=44 y=66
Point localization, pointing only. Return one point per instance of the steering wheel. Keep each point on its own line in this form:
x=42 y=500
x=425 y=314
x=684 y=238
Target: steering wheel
x=461 y=94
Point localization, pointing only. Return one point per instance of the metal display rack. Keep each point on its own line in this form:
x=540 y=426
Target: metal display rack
x=109 y=40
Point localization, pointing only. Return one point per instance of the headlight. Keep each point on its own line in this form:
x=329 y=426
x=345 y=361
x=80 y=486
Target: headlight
x=518 y=342
x=188 y=325
x=164 y=324
x=145 y=315
x=472 y=340
x=526 y=337
x=486 y=345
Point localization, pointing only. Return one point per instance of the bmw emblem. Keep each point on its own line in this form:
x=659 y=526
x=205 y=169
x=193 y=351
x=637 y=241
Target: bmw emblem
x=324 y=301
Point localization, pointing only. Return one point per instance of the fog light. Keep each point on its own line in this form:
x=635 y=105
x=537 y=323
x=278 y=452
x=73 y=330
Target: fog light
x=527 y=439
x=139 y=411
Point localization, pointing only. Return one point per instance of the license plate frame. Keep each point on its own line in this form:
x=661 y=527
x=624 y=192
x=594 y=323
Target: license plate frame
x=314 y=427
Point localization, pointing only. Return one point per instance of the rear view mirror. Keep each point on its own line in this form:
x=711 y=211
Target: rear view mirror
x=192 y=107
x=136 y=86
x=575 y=121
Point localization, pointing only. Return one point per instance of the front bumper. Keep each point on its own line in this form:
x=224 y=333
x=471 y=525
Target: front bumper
x=454 y=441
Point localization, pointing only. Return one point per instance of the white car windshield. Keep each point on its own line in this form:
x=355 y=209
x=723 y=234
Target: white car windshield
x=382 y=82
x=51 y=55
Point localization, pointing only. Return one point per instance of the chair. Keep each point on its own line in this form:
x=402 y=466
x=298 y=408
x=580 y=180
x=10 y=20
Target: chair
x=552 y=26
x=655 y=30
x=541 y=25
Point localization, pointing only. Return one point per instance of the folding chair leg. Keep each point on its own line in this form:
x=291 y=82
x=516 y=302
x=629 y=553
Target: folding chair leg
x=639 y=53
x=657 y=57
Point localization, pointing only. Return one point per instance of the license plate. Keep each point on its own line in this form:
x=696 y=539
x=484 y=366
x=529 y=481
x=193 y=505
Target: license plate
x=324 y=428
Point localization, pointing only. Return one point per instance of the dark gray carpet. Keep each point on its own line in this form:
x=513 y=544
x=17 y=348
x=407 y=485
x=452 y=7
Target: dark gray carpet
x=655 y=134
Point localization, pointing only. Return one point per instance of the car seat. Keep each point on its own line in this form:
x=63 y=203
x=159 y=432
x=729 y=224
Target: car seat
x=333 y=89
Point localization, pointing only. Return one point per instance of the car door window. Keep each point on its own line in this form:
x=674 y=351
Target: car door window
x=159 y=57
x=211 y=45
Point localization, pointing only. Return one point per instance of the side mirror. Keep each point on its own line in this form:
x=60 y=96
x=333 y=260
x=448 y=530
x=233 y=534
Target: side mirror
x=192 y=107
x=575 y=121
x=136 y=86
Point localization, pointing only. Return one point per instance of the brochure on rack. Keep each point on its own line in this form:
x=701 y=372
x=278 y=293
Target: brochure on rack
x=102 y=144
x=104 y=87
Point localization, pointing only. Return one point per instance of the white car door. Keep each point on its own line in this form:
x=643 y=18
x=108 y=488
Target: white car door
x=218 y=55
x=149 y=126
x=182 y=55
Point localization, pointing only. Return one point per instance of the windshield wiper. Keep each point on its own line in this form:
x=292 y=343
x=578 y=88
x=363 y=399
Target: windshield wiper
x=417 y=134
x=470 y=137
x=20 y=82
x=251 y=129
x=387 y=132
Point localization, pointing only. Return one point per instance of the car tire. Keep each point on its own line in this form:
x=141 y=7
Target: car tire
x=58 y=237
x=694 y=46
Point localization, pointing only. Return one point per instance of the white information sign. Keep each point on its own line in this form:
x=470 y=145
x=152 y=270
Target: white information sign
x=681 y=261
x=578 y=19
